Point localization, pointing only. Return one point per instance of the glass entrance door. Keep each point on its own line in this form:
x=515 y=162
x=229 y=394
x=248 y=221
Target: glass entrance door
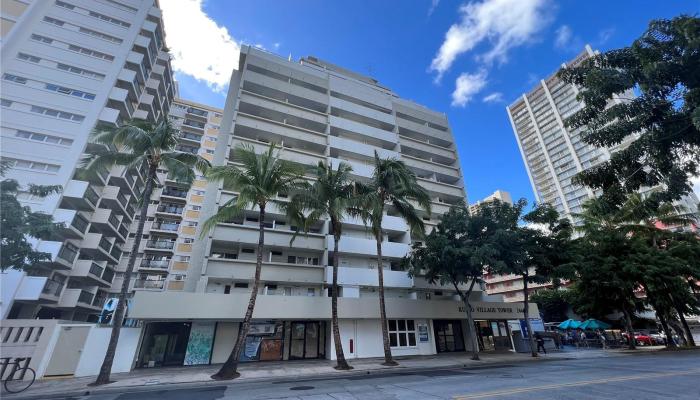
x=307 y=340
x=448 y=336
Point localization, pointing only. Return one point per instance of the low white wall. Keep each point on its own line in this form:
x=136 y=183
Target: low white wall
x=224 y=339
x=96 y=347
x=366 y=335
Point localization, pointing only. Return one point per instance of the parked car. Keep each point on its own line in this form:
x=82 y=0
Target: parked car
x=658 y=338
x=643 y=339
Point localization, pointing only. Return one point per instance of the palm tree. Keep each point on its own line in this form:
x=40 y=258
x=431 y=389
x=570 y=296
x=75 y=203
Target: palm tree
x=140 y=144
x=258 y=180
x=392 y=184
x=331 y=195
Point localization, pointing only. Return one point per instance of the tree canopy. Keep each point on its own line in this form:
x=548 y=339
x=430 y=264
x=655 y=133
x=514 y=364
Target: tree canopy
x=654 y=116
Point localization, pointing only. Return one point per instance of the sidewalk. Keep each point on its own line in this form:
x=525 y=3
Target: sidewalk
x=291 y=370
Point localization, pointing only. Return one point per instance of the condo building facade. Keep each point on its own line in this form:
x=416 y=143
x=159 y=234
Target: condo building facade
x=69 y=67
x=317 y=112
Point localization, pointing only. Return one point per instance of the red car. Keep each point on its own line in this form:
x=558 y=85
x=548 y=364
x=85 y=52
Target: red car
x=643 y=339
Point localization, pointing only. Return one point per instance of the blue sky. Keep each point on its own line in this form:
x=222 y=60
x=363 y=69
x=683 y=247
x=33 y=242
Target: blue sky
x=467 y=59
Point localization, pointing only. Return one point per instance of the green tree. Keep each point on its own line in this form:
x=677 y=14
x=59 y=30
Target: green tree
x=553 y=304
x=661 y=67
x=257 y=180
x=19 y=223
x=456 y=253
x=140 y=144
x=332 y=195
x=531 y=245
x=394 y=185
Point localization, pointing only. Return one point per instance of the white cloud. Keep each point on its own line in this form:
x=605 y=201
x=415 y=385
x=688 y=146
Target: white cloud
x=466 y=86
x=564 y=36
x=504 y=23
x=495 y=97
x=433 y=6
x=276 y=45
x=605 y=35
x=200 y=47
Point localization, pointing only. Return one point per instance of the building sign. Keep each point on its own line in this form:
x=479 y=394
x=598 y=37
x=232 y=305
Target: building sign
x=200 y=343
x=423 y=333
x=537 y=326
x=494 y=310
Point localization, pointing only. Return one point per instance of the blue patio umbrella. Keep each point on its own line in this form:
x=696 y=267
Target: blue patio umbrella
x=594 y=324
x=569 y=324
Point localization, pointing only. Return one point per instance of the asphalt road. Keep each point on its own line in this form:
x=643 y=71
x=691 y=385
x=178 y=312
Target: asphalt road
x=639 y=377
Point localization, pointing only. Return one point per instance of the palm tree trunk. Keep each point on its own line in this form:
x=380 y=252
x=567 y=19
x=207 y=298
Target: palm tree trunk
x=526 y=313
x=679 y=331
x=664 y=325
x=470 y=318
x=118 y=318
x=388 y=359
x=686 y=329
x=342 y=364
x=630 y=330
x=230 y=368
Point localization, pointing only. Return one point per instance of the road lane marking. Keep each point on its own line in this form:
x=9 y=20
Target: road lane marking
x=573 y=384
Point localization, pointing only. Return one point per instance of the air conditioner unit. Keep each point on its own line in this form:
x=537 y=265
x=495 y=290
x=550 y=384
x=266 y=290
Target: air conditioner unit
x=179 y=277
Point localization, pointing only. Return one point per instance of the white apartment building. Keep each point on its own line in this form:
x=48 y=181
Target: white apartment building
x=498 y=195
x=316 y=111
x=68 y=67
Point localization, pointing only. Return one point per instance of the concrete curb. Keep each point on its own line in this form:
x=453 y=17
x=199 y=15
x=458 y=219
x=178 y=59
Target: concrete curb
x=316 y=376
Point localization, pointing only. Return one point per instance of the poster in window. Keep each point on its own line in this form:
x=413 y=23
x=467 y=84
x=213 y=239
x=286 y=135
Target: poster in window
x=200 y=343
x=423 y=333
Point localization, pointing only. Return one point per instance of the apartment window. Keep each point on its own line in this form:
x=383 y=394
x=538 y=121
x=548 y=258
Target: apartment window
x=39 y=137
x=57 y=114
x=198 y=192
x=196 y=208
x=402 y=332
x=69 y=91
x=79 y=71
x=42 y=39
x=6 y=103
x=99 y=35
x=27 y=57
x=227 y=289
x=33 y=165
x=14 y=78
x=210 y=151
x=65 y=5
x=91 y=53
x=248 y=251
x=53 y=21
x=187 y=240
x=190 y=223
x=276 y=253
x=311 y=292
x=109 y=19
x=182 y=258
x=240 y=285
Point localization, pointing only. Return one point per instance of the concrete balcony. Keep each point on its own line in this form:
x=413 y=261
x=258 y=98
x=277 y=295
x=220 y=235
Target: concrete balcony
x=159 y=246
x=173 y=193
x=72 y=298
x=426 y=147
x=363 y=130
x=74 y=224
x=358 y=169
x=284 y=108
x=90 y=273
x=353 y=245
x=99 y=247
x=429 y=166
x=165 y=227
x=115 y=200
x=79 y=195
x=271 y=272
x=152 y=264
x=105 y=221
x=276 y=130
x=361 y=110
x=61 y=255
x=285 y=153
x=235 y=233
x=286 y=87
x=109 y=116
x=369 y=277
x=389 y=223
x=169 y=210
x=149 y=284
x=441 y=188
x=21 y=286
x=354 y=147
x=423 y=129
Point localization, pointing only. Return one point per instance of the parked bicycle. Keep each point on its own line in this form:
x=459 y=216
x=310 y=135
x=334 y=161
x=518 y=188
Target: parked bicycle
x=19 y=378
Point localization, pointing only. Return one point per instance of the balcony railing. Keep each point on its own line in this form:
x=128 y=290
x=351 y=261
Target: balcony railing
x=172 y=192
x=80 y=223
x=102 y=173
x=68 y=252
x=105 y=244
x=96 y=269
x=195 y=111
x=160 y=244
x=122 y=199
x=114 y=221
x=149 y=284
x=85 y=297
x=187 y=149
x=194 y=124
x=161 y=264
x=92 y=196
x=191 y=136
x=124 y=231
x=171 y=209
x=108 y=275
x=165 y=226
x=52 y=287
x=116 y=253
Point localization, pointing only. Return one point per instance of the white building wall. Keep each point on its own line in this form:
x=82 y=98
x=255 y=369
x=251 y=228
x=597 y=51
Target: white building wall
x=96 y=347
